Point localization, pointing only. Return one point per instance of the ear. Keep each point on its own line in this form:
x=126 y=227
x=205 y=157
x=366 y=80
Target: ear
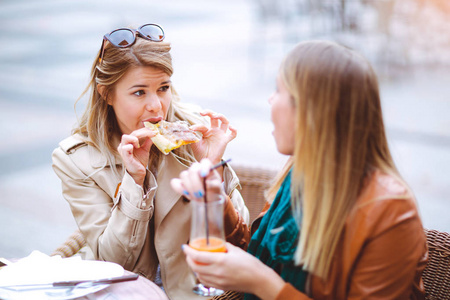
x=101 y=90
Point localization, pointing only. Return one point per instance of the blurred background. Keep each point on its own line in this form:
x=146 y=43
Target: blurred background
x=226 y=55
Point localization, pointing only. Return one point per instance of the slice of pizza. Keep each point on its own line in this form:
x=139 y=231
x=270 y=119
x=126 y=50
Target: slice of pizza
x=172 y=135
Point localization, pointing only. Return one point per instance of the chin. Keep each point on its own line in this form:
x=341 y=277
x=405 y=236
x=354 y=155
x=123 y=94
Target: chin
x=286 y=153
x=285 y=150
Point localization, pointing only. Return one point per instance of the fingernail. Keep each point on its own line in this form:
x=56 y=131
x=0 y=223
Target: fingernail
x=198 y=194
x=186 y=193
x=183 y=246
x=204 y=173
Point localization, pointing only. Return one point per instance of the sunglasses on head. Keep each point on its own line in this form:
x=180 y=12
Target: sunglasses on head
x=126 y=37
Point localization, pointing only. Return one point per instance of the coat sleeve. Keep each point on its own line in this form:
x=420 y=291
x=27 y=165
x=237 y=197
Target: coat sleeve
x=236 y=215
x=291 y=293
x=230 y=183
x=236 y=229
x=115 y=226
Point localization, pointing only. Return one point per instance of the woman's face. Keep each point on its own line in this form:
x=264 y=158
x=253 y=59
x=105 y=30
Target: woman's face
x=283 y=118
x=143 y=94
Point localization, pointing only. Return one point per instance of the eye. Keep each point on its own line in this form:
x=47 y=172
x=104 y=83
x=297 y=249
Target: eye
x=164 y=88
x=139 y=93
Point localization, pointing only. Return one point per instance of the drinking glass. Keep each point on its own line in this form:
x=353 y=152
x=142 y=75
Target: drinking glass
x=207 y=234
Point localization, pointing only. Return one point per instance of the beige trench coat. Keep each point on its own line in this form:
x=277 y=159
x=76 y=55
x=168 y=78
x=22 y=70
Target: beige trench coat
x=122 y=224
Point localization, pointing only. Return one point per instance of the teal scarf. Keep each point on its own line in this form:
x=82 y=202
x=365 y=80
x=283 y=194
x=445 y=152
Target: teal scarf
x=275 y=241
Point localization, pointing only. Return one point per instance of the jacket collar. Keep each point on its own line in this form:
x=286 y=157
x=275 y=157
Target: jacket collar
x=98 y=160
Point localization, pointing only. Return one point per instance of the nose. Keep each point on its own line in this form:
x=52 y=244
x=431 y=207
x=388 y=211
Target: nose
x=153 y=103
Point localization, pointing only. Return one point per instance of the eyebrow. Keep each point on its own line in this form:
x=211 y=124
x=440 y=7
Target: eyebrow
x=145 y=86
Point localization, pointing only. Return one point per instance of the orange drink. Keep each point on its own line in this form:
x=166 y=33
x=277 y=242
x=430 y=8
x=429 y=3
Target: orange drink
x=207 y=221
x=215 y=244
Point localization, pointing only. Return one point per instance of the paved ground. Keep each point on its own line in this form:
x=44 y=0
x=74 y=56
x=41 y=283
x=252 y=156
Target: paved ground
x=225 y=60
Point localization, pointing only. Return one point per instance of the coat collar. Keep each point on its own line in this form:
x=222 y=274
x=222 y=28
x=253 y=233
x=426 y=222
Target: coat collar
x=98 y=160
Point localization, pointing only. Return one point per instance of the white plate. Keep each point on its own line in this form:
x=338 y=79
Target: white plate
x=50 y=293
x=49 y=270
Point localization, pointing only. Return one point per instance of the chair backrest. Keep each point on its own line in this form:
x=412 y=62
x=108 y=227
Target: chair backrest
x=254 y=182
x=71 y=246
x=436 y=276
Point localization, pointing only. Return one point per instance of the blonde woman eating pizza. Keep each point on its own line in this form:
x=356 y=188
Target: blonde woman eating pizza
x=118 y=183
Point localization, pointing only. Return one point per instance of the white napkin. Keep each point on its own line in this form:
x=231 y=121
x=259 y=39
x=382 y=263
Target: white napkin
x=39 y=268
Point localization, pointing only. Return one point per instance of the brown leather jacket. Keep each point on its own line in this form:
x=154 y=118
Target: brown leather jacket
x=382 y=252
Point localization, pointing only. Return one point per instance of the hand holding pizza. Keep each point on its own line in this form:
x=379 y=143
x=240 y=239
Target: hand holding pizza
x=215 y=139
x=134 y=155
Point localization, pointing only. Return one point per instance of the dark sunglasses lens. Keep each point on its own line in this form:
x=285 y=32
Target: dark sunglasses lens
x=121 y=37
x=153 y=32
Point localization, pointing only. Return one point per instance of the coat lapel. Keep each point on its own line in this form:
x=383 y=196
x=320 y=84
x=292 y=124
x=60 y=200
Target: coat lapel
x=166 y=197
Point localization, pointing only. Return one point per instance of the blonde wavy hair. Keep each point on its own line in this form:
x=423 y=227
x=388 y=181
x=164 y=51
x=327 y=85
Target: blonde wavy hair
x=98 y=123
x=341 y=141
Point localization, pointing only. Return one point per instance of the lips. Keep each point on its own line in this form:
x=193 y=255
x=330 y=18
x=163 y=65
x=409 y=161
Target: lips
x=153 y=120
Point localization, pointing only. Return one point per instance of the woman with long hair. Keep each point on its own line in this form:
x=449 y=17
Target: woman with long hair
x=342 y=223
x=118 y=183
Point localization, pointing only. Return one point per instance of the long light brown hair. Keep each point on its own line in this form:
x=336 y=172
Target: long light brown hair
x=340 y=141
x=98 y=122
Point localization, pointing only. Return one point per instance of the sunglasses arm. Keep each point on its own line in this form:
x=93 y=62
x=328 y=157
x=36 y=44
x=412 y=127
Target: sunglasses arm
x=102 y=50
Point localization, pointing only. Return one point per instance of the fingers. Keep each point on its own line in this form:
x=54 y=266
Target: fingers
x=129 y=140
x=144 y=134
x=233 y=133
x=231 y=248
x=217 y=120
x=125 y=151
x=177 y=186
x=205 y=167
x=205 y=273
x=210 y=267
x=137 y=138
x=199 y=127
x=191 y=182
x=126 y=148
x=201 y=257
x=212 y=116
x=225 y=123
